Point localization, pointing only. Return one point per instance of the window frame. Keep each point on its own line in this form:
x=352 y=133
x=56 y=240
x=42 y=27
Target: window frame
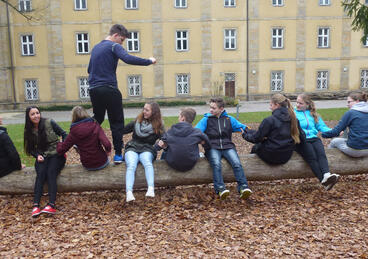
x=131 y=3
x=85 y=86
x=365 y=44
x=132 y=40
x=230 y=38
x=229 y=3
x=322 y=36
x=22 y=5
x=324 y=2
x=277 y=37
x=36 y=87
x=28 y=44
x=182 y=40
x=80 y=3
x=181 y=6
x=327 y=79
x=134 y=85
x=364 y=84
x=277 y=3
x=82 y=42
x=177 y=83
x=281 y=79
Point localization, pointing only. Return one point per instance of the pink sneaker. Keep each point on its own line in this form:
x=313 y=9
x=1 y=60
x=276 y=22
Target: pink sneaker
x=36 y=212
x=49 y=210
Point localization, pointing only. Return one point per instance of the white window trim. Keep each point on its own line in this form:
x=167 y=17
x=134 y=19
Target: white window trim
x=277 y=4
x=182 y=40
x=181 y=7
x=327 y=80
x=24 y=5
x=82 y=41
x=80 y=9
x=140 y=85
x=28 y=44
x=85 y=86
x=323 y=36
x=177 y=83
x=324 y=2
x=365 y=45
x=231 y=37
x=131 y=8
x=365 y=79
x=279 y=79
x=25 y=89
x=229 y=4
x=277 y=37
x=133 y=40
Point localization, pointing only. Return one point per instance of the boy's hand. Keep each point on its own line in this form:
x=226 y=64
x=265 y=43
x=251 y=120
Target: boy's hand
x=162 y=144
x=40 y=159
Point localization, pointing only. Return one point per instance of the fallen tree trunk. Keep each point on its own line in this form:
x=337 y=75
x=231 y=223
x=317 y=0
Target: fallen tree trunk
x=74 y=178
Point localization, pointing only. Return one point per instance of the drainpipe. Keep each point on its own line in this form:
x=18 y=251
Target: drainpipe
x=11 y=59
x=247 y=63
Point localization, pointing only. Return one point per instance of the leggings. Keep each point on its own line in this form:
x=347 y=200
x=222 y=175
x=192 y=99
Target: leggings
x=271 y=157
x=48 y=170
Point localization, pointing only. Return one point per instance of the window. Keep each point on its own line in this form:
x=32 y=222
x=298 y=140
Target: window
x=322 y=80
x=31 y=90
x=277 y=2
x=229 y=39
x=80 y=5
x=277 y=38
x=323 y=37
x=364 y=79
x=133 y=42
x=277 y=81
x=134 y=85
x=131 y=4
x=229 y=3
x=182 y=41
x=82 y=43
x=25 y=6
x=182 y=84
x=180 y=3
x=366 y=41
x=366 y=2
x=27 y=45
x=324 y=2
x=83 y=87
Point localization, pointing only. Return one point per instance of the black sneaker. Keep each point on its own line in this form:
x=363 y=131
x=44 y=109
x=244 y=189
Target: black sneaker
x=329 y=181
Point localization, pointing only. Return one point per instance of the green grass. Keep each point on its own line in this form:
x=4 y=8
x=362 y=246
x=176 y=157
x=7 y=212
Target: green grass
x=16 y=130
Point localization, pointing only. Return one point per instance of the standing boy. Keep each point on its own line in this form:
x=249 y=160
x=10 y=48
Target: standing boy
x=103 y=85
x=181 y=142
x=219 y=126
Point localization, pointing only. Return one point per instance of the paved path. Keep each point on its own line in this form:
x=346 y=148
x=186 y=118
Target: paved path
x=251 y=106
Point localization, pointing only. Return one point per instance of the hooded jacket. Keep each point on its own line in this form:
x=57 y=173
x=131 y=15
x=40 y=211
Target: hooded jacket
x=9 y=157
x=357 y=120
x=274 y=132
x=91 y=141
x=307 y=123
x=182 y=139
x=219 y=129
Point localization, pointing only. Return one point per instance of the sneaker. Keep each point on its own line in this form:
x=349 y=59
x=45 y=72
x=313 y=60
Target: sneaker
x=129 y=196
x=329 y=180
x=49 y=210
x=36 y=212
x=150 y=191
x=223 y=194
x=118 y=159
x=245 y=193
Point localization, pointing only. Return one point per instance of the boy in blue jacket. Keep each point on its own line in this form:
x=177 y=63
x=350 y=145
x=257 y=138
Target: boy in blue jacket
x=181 y=141
x=219 y=126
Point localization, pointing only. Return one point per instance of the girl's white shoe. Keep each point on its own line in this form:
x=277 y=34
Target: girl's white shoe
x=129 y=196
x=150 y=191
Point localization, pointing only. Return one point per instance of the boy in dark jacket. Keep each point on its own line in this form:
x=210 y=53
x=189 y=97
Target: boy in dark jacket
x=219 y=126
x=181 y=141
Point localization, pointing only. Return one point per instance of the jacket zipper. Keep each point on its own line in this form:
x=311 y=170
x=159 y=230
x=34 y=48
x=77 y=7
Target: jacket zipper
x=219 y=126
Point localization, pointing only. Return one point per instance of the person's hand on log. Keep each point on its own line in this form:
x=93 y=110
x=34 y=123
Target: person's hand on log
x=162 y=144
x=23 y=166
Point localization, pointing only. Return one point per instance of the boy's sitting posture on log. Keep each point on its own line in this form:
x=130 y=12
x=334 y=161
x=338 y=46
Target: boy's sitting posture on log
x=180 y=142
x=219 y=126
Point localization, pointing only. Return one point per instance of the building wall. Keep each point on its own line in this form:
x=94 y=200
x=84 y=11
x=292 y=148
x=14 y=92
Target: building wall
x=57 y=67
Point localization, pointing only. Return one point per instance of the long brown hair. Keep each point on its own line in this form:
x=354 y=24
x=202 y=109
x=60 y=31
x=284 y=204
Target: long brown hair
x=32 y=142
x=79 y=113
x=155 y=119
x=311 y=106
x=358 y=96
x=285 y=102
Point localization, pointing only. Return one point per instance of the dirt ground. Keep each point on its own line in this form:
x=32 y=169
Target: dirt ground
x=282 y=219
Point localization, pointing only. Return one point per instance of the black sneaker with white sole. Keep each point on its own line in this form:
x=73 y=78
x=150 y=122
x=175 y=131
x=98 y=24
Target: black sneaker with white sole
x=331 y=181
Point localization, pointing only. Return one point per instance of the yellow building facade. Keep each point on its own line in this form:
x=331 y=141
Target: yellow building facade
x=239 y=48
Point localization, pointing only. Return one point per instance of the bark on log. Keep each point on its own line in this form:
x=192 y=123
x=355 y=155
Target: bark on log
x=75 y=178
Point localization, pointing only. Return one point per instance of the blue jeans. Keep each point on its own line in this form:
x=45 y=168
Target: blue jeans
x=214 y=156
x=132 y=159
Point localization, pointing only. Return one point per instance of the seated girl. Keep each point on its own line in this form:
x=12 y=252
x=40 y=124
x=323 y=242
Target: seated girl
x=92 y=144
x=146 y=128
x=312 y=149
x=277 y=135
x=356 y=119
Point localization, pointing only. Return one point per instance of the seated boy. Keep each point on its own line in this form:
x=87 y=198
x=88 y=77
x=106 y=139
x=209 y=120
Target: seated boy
x=219 y=126
x=181 y=141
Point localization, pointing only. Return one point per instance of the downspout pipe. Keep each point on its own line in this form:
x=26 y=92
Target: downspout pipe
x=247 y=62
x=12 y=69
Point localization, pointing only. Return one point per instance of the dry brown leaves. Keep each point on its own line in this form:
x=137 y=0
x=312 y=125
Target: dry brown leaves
x=290 y=218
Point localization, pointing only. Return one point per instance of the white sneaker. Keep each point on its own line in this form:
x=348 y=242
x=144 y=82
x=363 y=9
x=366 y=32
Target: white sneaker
x=129 y=196
x=150 y=191
x=329 y=180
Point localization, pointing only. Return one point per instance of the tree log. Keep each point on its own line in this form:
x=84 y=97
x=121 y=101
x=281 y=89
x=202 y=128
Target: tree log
x=74 y=178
